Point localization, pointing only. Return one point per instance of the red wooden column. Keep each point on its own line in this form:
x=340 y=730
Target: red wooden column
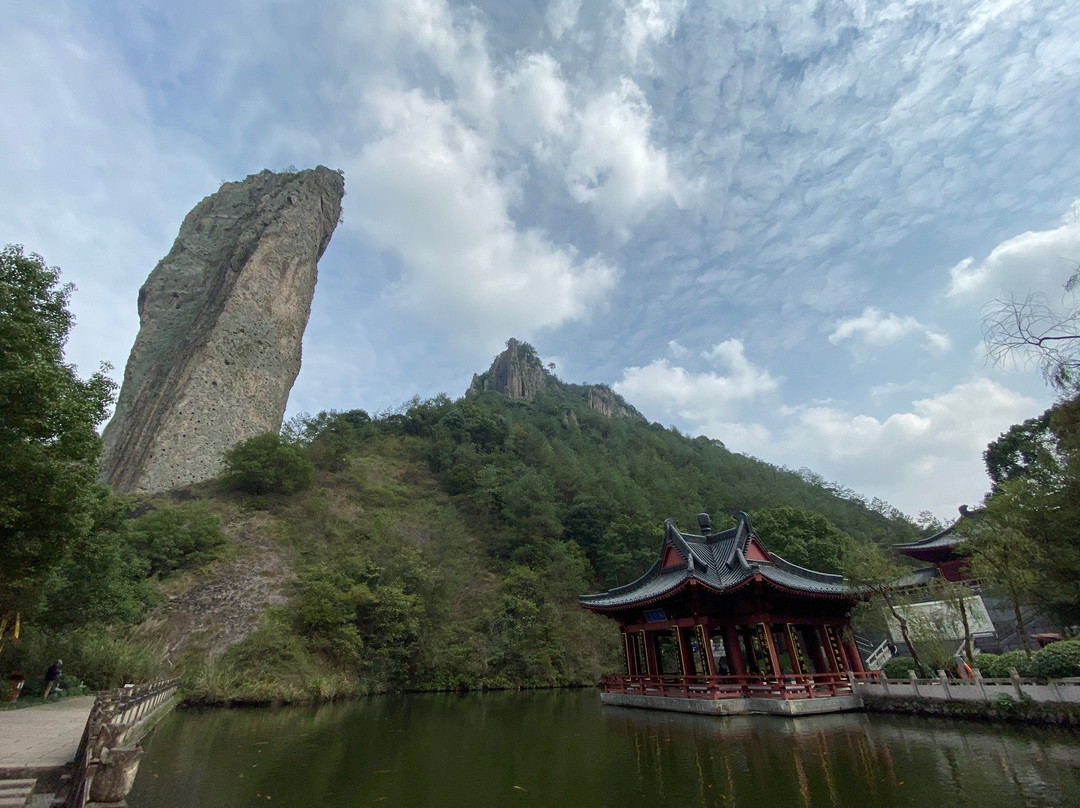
x=853 y=653
x=734 y=652
x=686 y=660
x=793 y=655
x=773 y=658
x=845 y=663
x=628 y=649
x=650 y=652
x=701 y=633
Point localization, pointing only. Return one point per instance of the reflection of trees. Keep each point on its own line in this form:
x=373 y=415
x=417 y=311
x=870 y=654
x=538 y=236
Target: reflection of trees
x=561 y=749
x=829 y=760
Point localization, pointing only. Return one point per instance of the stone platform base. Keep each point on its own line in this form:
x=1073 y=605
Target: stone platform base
x=793 y=707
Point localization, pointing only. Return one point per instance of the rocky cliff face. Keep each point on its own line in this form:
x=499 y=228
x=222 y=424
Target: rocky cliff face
x=221 y=322
x=517 y=372
x=607 y=402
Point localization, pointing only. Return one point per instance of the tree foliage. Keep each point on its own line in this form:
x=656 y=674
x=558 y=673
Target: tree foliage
x=802 y=537
x=879 y=575
x=268 y=464
x=171 y=538
x=48 y=440
x=1026 y=539
x=1002 y=550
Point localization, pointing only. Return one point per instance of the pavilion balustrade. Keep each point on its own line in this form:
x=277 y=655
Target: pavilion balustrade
x=786 y=686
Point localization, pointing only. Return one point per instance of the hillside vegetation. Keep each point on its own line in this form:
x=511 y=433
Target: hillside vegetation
x=444 y=545
x=439 y=546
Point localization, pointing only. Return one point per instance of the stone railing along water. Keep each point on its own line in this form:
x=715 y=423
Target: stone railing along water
x=944 y=688
x=108 y=756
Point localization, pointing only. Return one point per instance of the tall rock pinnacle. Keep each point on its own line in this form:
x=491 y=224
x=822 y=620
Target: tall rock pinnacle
x=221 y=321
x=516 y=372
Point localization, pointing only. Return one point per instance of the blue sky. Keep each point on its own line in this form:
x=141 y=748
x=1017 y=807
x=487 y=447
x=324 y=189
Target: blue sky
x=772 y=223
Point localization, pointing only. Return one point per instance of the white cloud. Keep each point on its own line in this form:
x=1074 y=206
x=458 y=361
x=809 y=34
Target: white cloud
x=532 y=103
x=561 y=16
x=698 y=397
x=602 y=141
x=1035 y=261
x=614 y=165
x=648 y=21
x=677 y=349
x=927 y=457
x=878 y=329
x=90 y=180
x=458 y=50
x=432 y=194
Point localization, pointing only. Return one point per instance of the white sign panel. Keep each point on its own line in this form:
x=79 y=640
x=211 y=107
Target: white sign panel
x=940 y=619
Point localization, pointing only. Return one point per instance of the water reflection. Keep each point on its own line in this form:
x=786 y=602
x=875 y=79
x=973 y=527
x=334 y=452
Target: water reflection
x=563 y=749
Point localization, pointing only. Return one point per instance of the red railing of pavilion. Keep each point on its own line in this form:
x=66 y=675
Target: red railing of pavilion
x=788 y=686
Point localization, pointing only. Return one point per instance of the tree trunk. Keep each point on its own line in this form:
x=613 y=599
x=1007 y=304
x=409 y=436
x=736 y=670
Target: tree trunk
x=1021 y=629
x=968 y=650
x=904 y=633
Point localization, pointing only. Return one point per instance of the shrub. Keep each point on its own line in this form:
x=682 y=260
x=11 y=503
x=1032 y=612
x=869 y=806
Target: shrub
x=268 y=464
x=989 y=665
x=993 y=666
x=105 y=661
x=172 y=538
x=1057 y=660
x=898 y=667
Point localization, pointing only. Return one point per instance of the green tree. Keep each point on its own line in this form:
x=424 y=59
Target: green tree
x=869 y=568
x=103 y=580
x=268 y=464
x=1025 y=449
x=802 y=537
x=1029 y=528
x=49 y=445
x=627 y=548
x=1002 y=551
x=171 y=538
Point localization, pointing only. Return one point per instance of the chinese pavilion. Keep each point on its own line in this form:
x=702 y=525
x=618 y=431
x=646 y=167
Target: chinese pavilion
x=719 y=624
x=943 y=550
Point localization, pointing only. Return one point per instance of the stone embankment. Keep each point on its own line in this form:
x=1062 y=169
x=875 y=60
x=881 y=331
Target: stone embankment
x=1018 y=699
x=78 y=752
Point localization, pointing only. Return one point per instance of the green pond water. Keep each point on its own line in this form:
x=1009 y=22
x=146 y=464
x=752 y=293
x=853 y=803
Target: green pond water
x=561 y=748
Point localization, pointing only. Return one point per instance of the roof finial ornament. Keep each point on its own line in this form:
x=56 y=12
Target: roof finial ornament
x=705 y=523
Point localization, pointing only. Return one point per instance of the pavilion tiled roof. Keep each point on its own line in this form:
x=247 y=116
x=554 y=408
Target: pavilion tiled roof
x=718 y=561
x=939 y=541
x=940 y=545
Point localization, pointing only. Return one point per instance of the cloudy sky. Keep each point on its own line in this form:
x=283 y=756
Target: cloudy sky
x=773 y=223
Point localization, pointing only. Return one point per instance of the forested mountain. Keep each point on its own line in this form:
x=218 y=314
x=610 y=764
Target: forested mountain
x=441 y=545
x=444 y=544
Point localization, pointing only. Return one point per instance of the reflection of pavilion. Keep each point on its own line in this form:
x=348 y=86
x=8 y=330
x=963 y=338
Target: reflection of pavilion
x=720 y=625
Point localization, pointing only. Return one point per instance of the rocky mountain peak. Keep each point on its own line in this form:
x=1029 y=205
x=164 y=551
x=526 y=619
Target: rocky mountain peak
x=517 y=372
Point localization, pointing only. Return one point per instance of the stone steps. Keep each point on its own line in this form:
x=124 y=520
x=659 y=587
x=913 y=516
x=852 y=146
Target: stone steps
x=16 y=793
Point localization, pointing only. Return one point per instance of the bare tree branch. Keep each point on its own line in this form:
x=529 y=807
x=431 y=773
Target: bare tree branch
x=1033 y=331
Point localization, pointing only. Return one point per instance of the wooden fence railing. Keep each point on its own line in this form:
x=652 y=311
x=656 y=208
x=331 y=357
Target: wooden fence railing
x=787 y=686
x=108 y=758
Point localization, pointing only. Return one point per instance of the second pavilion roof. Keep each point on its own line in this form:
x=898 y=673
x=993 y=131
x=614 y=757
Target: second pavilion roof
x=721 y=562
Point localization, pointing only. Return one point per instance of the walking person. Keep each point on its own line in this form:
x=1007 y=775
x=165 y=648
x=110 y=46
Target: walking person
x=51 y=677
